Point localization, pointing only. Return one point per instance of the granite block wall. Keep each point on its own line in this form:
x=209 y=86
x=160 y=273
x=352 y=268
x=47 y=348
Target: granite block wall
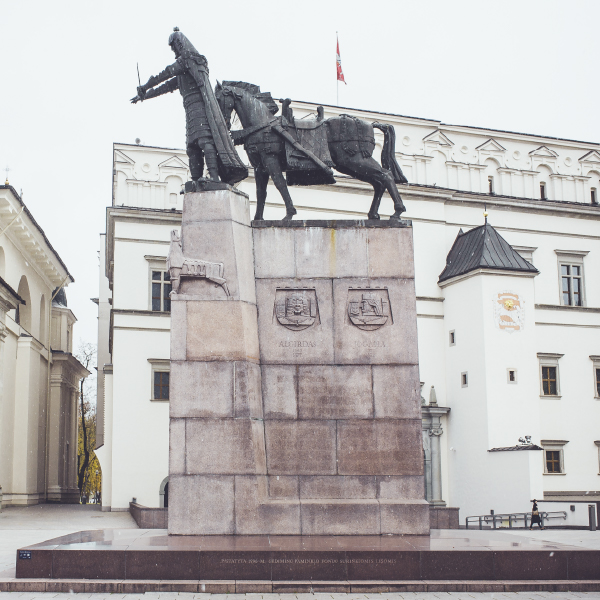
x=295 y=405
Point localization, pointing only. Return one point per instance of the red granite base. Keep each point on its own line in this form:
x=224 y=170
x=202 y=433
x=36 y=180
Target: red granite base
x=289 y=587
x=450 y=555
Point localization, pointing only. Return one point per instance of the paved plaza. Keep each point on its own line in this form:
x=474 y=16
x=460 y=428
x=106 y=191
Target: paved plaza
x=25 y=525
x=392 y=596
x=22 y=526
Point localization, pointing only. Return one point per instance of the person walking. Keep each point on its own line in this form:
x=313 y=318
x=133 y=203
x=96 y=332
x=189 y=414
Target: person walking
x=535 y=515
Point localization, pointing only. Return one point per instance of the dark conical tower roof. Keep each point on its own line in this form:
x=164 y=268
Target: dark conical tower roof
x=482 y=248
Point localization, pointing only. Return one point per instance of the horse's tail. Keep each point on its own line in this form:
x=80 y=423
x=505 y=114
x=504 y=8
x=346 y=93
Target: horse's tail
x=388 y=154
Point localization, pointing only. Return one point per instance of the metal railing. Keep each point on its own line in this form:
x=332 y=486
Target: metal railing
x=517 y=520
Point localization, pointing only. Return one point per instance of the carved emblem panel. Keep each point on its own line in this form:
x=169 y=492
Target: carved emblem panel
x=296 y=309
x=509 y=313
x=369 y=308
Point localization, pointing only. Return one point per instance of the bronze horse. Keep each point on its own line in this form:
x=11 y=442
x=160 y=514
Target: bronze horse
x=349 y=144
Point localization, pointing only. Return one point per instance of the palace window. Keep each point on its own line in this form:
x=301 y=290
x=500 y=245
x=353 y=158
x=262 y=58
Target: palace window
x=596 y=366
x=452 y=338
x=464 y=379
x=571 y=279
x=549 y=375
x=570 y=264
x=593 y=196
x=543 y=191
x=161 y=288
x=549 y=381
x=160 y=379
x=161 y=385
x=554 y=463
x=159 y=284
x=511 y=375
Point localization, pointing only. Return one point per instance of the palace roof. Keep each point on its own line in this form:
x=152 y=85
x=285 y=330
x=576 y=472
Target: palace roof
x=482 y=248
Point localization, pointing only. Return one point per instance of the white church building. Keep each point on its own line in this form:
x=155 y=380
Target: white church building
x=508 y=311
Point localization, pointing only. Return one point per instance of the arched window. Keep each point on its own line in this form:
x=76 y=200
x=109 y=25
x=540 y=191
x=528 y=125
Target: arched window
x=174 y=184
x=594 y=183
x=23 y=316
x=491 y=168
x=163 y=493
x=544 y=182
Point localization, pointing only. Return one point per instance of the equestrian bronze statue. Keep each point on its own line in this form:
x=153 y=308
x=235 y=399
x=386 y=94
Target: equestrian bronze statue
x=208 y=136
x=306 y=149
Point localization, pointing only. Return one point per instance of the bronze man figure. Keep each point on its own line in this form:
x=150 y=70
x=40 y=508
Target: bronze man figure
x=208 y=138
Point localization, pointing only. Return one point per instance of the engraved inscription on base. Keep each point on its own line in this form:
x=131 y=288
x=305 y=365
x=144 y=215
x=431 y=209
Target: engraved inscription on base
x=296 y=309
x=369 y=308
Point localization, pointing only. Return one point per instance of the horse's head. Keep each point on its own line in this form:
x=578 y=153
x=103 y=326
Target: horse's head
x=225 y=96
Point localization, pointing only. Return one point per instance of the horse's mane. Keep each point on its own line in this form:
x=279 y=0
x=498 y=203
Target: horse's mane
x=254 y=91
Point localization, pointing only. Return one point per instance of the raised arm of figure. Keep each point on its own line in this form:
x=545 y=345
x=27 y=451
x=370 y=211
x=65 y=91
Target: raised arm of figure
x=165 y=88
x=170 y=71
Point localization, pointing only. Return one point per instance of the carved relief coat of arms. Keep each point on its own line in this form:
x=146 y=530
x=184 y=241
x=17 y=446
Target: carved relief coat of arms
x=508 y=312
x=296 y=309
x=369 y=309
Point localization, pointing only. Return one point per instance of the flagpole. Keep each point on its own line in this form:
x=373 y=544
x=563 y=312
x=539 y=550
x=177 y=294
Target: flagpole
x=337 y=80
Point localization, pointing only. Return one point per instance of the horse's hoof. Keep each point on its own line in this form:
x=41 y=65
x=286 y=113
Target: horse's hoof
x=374 y=217
x=397 y=215
x=289 y=217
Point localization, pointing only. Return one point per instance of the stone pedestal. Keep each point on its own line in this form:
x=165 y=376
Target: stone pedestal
x=295 y=405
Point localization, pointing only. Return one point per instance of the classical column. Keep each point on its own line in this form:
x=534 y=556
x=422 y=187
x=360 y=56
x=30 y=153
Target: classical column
x=431 y=415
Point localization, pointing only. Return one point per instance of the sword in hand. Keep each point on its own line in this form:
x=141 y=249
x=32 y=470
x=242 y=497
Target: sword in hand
x=140 y=90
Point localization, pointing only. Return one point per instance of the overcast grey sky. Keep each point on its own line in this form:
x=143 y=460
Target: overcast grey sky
x=68 y=70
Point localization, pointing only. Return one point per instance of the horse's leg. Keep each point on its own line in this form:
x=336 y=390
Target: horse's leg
x=262 y=179
x=271 y=163
x=379 y=188
x=390 y=185
x=370 y=171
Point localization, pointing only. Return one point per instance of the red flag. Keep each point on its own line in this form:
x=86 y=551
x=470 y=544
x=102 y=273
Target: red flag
x=338 y=62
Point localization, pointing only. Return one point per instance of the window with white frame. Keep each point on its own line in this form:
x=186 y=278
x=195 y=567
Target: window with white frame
x=549 y=375
x=160 y=379
x=526 y=252
x=159 y=284
x=452 y=338
x=511 y=375
x=570 y=272
x=597 y=442
x=554 y=458
x=464 y=379
x=596 y=375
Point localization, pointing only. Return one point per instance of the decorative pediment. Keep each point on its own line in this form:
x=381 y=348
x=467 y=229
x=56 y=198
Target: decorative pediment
x=438 y=137
x=174 y=163
x=491 y=145
x=543 y=152
x=123 y=158
x=592 y=156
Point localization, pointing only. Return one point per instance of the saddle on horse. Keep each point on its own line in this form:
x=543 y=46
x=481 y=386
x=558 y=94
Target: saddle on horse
x=311 y=134
x=307 y=158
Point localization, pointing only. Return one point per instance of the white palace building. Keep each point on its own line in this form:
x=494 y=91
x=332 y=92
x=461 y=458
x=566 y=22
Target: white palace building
x=508 y=312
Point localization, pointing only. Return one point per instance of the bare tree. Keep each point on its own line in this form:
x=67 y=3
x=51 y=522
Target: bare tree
x=86 y=354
